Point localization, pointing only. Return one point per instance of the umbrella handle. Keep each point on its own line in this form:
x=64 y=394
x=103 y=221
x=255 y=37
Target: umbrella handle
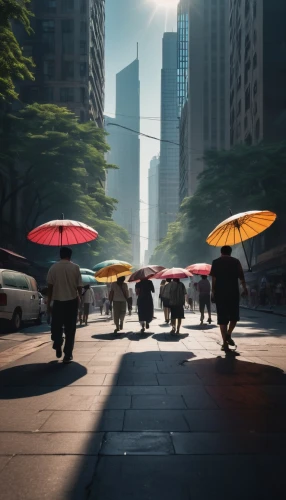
x=247 y=260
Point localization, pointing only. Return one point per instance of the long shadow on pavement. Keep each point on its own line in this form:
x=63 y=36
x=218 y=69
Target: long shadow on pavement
x=39 y=378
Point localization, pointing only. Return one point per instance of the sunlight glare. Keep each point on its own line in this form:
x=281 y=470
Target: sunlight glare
x=167 y=4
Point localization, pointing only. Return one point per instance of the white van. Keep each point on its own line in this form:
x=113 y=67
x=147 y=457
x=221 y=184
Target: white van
x=19 y=298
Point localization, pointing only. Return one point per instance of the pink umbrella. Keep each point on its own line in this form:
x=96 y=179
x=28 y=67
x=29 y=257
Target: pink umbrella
x=201 y=269
x=173 y=273
x=62 y=232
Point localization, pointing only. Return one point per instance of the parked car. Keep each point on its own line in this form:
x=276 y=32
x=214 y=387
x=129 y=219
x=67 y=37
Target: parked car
x=19 y=298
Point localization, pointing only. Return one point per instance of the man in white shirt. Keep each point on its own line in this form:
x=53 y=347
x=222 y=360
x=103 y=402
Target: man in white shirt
x=88 y=299
x=64 y=288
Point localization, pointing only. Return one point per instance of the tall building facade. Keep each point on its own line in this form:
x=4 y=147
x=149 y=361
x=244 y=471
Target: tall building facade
x=153 y=191
x=257 y=71
x=124 y=183
x=204 y=119
x=68 y=49
x=169 y=152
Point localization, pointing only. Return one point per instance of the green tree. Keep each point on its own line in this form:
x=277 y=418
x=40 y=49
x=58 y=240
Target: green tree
x=13 y=64
x=61 y=168
x=241 y=179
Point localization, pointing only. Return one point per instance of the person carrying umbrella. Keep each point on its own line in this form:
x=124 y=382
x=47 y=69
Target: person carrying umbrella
x=165 y=294
x=88 y=299
x=225 y=273
x=177 y=301
x=144 y=290
x=119 y=297
x=64 y=288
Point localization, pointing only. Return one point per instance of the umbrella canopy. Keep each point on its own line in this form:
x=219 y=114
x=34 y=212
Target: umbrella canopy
x=106 y=263
x=201 y=269
x=110 y=274
x=62 y=232
x=241 y=227
x=87 y=271
x=145 y=273
x=173 y=273
x=88 y=280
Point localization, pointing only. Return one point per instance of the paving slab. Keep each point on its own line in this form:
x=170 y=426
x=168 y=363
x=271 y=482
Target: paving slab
x=155 y=420
x=157 y=402
x=137 y=443
x=84 y=421
x=49 y=477
x=38 y=443
x=179 y=379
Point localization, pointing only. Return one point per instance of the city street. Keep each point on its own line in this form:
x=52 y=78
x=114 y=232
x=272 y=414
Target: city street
x=145 y=417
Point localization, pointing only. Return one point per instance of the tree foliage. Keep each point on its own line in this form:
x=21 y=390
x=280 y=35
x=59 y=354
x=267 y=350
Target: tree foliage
x=13 y=64
x=241 y=179
x=59 y=166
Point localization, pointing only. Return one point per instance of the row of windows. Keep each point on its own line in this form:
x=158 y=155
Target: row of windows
x=66 y=6
x=67 y=70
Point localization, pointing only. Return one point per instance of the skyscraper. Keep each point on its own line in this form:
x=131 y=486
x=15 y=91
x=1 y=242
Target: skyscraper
x=153 y=189
x=68 y=49
x=124 y=184
x=204 y=121
x=257 y=71
x=169 y=152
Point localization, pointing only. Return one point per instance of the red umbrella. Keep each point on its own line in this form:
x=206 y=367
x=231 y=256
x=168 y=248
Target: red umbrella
x=173 y=273
x=201 y=269
x=145 y=273
x=62 y=232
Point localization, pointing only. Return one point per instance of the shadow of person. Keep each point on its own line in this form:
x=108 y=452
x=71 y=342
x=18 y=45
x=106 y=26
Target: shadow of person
x=205 y=326
x=39 y=378
x=167 y=337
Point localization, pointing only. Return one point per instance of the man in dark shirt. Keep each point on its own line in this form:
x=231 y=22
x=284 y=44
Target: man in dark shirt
x=225 y=272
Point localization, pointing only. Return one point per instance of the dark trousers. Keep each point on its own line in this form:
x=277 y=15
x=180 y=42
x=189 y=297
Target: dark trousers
x=64 y=315
x=205 y=301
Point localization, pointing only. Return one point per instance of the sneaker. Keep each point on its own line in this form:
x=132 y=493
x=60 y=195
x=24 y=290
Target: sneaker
x=202 y=322
x=173 y=331
x=209 y=321
x=116 y=330
x=147 y=326
x=230 y=341
x=142 y=330
x=67 y=359
x=59 y=352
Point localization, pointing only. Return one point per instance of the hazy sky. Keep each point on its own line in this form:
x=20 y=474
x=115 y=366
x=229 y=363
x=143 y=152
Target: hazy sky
x=129 y=22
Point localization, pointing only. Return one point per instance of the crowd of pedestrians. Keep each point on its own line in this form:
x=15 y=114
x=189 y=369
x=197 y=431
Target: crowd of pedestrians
x=69 y=301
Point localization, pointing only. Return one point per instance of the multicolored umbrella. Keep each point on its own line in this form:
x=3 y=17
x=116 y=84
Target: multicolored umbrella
x=201 y=269
x=110 y=274
x=173 y=273
x=106 y=263
x=62 y=232
x=146 y=272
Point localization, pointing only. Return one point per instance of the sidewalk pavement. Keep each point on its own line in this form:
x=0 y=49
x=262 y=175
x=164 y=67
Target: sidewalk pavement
x=148 y=417
x=277 y=310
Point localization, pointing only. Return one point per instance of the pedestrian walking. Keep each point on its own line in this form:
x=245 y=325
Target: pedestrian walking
x=225 y=272
x=118 y=298
x=88 y=300
x=190 y=295
x=144 y=290
x=166 y=299
x=177 y=300
x=204 y=289
x=162 y=284
x=64 y=288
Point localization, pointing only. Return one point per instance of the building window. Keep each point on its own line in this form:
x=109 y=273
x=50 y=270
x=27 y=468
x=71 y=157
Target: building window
x=82 y=94
x=82 y=6
x=48 y=94
x=49 y=6
x=83 y=29
x=67 y=6
x=68 y=36
x=67 y=94
x=67 y=70
x=83 y=69
x=49 y=70
x=83 y=48
x=48 y=36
